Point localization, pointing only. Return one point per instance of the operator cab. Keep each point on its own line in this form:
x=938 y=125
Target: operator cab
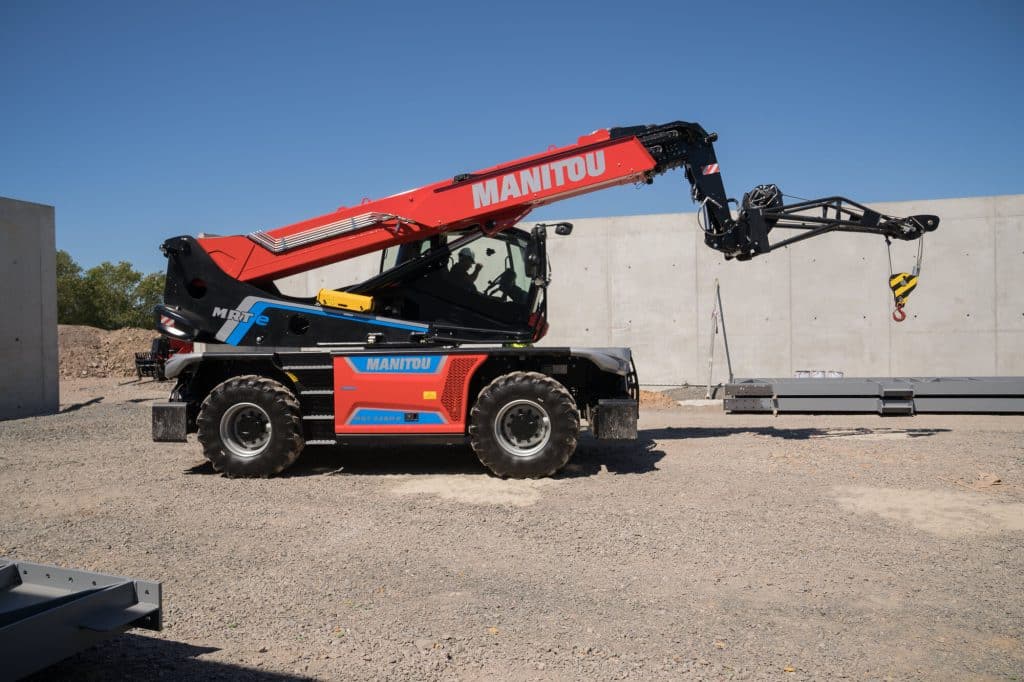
x=466 y=279
x=494 y=267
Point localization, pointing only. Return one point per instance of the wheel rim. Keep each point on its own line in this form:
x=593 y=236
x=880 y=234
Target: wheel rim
x=245 y=430
x=522 y=428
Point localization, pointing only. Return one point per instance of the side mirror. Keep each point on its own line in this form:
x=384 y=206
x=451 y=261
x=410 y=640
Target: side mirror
x=563 y=229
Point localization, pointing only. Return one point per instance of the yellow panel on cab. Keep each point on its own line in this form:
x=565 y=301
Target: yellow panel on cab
x=344 y=300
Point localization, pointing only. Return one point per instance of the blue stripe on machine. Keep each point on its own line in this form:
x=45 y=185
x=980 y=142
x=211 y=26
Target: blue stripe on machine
x=396 y=364
x=366 y=416
x=257 y=309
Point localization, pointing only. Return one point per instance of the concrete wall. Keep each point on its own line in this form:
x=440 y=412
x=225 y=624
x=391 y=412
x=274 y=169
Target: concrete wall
x=330 y=277
x=28 y=326
x=647 y=282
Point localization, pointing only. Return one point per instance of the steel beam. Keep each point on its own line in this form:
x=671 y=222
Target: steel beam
x=881 y=395
x=49 y=613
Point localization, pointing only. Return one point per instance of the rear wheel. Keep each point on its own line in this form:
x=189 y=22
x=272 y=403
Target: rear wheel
x=524 y=425
x=250 y=426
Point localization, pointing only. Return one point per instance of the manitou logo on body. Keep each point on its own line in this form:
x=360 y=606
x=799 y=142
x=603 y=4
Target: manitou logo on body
x=397 y=364
x=393 y=364
x=232 y=315
x=542 y=177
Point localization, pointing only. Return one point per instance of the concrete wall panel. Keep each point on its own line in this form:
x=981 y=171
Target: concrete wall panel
x=947 y=353
x=28 y=327
x=839 y=304
x=1010 y=353
x=581 y=261
x=756 y=310
x=330 y=276
x=650 y=293
x=1009 y=272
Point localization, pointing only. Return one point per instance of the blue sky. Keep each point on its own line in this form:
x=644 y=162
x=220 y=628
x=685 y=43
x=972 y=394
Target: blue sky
x=141 y=121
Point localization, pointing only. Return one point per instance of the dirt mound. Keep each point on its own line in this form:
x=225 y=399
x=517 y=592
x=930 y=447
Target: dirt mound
x=91 y=352
x=656 y=400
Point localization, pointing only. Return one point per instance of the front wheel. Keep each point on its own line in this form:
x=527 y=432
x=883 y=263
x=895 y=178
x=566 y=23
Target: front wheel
x=524 y=425
x=250 y=426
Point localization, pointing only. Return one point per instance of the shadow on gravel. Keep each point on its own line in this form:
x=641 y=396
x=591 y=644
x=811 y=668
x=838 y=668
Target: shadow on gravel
x=139 y=382
x=134 y=657
x=77 y=406
x=632 y=457
x=673 y=433
x=626 y=457
x=370 y=460
x=204 y=468
x=367 y=460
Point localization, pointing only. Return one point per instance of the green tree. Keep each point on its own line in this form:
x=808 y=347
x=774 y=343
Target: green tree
x=69 y=282
x=108 y=296
x=148 y=293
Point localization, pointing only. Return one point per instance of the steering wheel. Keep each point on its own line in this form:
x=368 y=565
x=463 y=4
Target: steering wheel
x=502 y=283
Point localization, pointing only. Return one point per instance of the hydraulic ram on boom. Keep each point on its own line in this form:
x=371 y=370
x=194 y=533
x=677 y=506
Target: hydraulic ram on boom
x=390 y=357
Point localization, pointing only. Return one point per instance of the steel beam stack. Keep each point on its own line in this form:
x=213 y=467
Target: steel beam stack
x=884 y=396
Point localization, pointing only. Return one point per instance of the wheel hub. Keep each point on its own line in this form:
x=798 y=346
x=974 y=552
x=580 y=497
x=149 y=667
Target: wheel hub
x=523 y=424
x=523 y=427
x=251 y=427
x=245 y=429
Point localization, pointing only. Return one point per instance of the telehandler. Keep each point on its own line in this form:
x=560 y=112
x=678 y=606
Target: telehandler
x=438 y=346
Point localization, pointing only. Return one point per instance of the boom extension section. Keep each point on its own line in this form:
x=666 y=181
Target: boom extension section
x=762 y=209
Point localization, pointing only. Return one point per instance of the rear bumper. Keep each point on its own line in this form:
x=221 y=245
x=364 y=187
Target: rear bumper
x=170 y=422
x=615 y=419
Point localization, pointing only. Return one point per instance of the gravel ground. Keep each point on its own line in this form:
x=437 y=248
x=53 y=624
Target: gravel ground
x=722 y=547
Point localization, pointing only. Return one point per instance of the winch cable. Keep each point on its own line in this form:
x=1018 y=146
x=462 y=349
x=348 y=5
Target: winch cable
x=902 y=283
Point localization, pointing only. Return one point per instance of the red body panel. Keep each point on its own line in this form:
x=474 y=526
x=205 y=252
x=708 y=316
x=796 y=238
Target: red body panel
x=496 y=197
x=389 y=394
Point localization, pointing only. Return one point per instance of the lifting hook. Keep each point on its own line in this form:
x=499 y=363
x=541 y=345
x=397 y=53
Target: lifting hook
x=903 y=283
